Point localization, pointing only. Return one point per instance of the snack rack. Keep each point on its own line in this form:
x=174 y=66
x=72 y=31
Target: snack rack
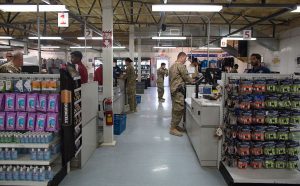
x=261 y=129
x=71 y=114
x=22 y=166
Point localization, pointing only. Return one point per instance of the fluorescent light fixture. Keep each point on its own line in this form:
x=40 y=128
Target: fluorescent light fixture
x=81 y=47
x=210 y=48
x=49 y=47
x=119 y=47
x=90 y=38
x=297 y=10
x=186 y=8
x=6 y=37
x=33 y=8
x=46 y=1
x=170 y=38
x=45 y=38
x=4 y=46
x=163 y=47
x=237 y=38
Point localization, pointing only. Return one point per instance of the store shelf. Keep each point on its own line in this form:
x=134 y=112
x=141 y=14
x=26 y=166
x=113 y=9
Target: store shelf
x=259 y=176
x=30 y=145
x=78 y=101
x=25 y=183
x=77 y=114
x=77 y=89
x=76 y=154
x=78 y=138
x=25 y=160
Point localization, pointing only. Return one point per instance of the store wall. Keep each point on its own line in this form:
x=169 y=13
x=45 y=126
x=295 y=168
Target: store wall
x=287 y=55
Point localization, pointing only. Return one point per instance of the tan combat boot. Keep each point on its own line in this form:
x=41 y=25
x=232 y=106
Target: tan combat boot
x=175 y=132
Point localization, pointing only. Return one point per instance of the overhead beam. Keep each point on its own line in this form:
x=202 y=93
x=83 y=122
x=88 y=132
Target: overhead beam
x=151 y=13
x=124 y=11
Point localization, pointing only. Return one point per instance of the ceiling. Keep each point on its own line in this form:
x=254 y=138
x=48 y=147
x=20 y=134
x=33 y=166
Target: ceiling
x=267 y=18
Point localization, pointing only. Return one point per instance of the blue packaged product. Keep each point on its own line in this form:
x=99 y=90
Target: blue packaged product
x=47 y=154
x=8 y=174
x=2 y=174
x=49 y=174
x=14 y=154
x=33 y=154
x=18 y=85
x=28 y=174
x=40 y=155
x=22 y=174
x=1 y=154
x=42 y=174
x=15 y=174
x=35 y=175
x=7 y=154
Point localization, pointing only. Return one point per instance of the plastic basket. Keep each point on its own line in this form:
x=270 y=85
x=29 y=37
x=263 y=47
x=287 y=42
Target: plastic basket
x=119 y=123
x=138 y=99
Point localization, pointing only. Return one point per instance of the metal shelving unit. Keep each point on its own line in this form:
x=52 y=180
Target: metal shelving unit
x=25 y=160
x=30 y=145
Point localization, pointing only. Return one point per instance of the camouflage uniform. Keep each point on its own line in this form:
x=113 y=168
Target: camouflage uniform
x=178 y=77
x=9 y=68
x=161 y=73
x=130 y=76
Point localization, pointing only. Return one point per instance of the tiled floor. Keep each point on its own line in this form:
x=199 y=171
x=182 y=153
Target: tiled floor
x=146 y=155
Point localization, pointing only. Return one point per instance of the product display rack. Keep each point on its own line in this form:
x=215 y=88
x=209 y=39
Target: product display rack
x=237 y=158
x=24 y=157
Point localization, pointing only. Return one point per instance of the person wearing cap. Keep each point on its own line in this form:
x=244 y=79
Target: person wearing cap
x=162 y=72
x=76 y=58
x=14 y=65
x=130 y=78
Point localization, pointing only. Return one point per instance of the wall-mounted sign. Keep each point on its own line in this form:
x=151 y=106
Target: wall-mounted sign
x=107 y=39
x=247 y=34
x=63 y=19
x=88 y=33
x=223 y=43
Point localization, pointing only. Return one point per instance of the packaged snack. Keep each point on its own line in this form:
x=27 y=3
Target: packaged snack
x=269 y=149
x=295 y=102
x=272 y=101
x=1 y=102
x=52 y=85
x=295 y=118
x=31 y=118
x=2 y=120
x=246 y=86
x=20 y=102
x=271 y=133
x=285 y=86
x=10 y=121
x=244 y=133
x=296 y=86
x=284 y=102
x=44 y=85
x=259 y=86
x=284 y=118
x=21 y=121
x=243 y=148
x=269 y=162
x=27 y=86
x=52 y=122
x=40 y=122
x=292 y=162
x=36 y=85
x=257 y=149
x=243 y=162
x=272 y=117
x=295 y=135
x=245 y=103
x=283 y=133
x=293 y=148
x=258 y=133
x=9 y=102
x=53 y=100
x=8 y=85
x=280 y=148
x=245 y=118
x=259 y=117
x=31 y=102
x=18 y=85
x=258 y=102
x=257 y=162
x=272 y=85
x=280 y=162
x=42 y=103
x=2 y=86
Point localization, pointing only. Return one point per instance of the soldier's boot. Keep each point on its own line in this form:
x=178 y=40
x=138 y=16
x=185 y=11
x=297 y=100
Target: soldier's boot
x=180 y=129
x=175 y=132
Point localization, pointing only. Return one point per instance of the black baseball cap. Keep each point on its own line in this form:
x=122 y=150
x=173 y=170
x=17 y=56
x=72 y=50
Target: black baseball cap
x=77 y=54
x=128 y=60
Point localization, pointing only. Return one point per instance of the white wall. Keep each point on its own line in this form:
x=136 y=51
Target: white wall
x=288 y=53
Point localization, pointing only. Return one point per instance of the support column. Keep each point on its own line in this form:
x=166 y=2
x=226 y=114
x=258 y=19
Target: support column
x=107 y=25
x=139 y=60
x=131 y=42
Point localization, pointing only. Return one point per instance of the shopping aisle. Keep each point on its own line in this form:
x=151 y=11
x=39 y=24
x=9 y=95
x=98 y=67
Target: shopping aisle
x=146 y=155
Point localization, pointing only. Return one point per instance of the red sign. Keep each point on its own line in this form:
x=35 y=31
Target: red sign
x=107 y=39
x=63 y=19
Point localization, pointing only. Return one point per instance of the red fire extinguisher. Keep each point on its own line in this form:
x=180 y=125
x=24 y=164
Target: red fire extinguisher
x=108 y=111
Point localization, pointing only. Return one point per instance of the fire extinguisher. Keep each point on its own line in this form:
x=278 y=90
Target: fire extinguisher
x=108 y=111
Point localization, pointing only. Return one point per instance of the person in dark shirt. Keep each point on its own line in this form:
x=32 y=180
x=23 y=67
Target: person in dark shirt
x=76 y=58
x=257 y=66
x=116 y=72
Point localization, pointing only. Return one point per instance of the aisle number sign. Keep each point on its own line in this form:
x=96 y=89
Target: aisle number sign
x=63 y=20
x=88 y=33
x=224 y=43
x=247 y=34
x=107 y=39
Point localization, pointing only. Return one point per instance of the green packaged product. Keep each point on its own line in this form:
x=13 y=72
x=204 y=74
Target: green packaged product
x=294 y=135
x=285 y=86
x=283 y=134
x=295 y=118
x=293 y=148
x=284 y=118
x=280 y=162
x=296 y=86
x=272 y=85
x=280 y=149
x=295 y=102
x=269 y=149
x=272 y=117
x=284 y=102
x=292 y=162
x=269 y=162
x=271 y=101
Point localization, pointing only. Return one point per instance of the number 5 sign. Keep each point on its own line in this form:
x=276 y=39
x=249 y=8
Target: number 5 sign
x=247 y=34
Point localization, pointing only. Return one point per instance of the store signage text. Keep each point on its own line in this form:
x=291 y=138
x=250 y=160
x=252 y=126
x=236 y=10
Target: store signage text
x=247 y=34
x=63 y=19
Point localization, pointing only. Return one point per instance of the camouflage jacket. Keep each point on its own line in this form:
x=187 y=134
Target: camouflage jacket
x=130 y=76
x=9 y=68
x=161 y=73
x=178 y=76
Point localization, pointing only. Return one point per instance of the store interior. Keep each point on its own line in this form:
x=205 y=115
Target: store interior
x=241 y=127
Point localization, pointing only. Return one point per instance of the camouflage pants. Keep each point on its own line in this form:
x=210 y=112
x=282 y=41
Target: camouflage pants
x=160 y=90
x=131 y=99
x=177 y=108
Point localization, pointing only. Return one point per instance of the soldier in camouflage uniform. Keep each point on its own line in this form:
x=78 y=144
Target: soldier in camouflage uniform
x=178 y=76
x=13 y=66
x=130 y=77
x=161 y=73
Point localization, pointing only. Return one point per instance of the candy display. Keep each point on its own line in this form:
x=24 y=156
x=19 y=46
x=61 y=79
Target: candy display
x=258 y=123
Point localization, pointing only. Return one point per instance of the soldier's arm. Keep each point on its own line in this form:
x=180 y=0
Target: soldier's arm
x=166 y=72
x=184 y=74
x=127 y=73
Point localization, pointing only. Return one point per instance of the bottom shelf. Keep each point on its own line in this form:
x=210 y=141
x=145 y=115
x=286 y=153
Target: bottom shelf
x=38 y=183
x=235 y=176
